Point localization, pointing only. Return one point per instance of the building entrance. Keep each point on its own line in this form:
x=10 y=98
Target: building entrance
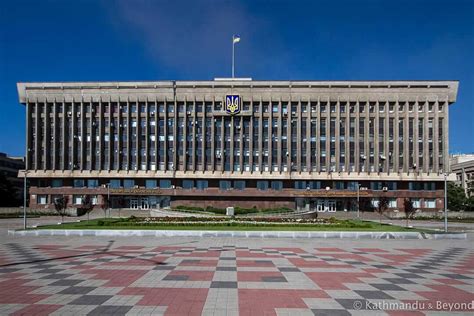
x=326 y=206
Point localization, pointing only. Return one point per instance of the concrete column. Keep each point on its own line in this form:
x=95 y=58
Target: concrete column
x=223 y=155
x=376 y=137
x=100 y=156
x=73 y=134
x=175 y=133
x=367 y=136
x=328 y=134
x=416 y=150
x=204 y=134
x=83 y=136
x=251 y=134
x=111 y=135
x=356 y=138
x=298 y=137
x=337 y=133
x=129 y=128
x=185 y=135
x=241 y=157
x=157 y=135
x=55 y=136
x=119 y=134
x=270 y=132
x=279 y=132
x=213 y=137
x=308 y=136
x=436 y=137
x=65 y=149
x=406 y=161
x=396 y=136
x=347 y=137
x=232 y=127
x=447 y=167
x=260 y=137
x=28 y=133
x=46 y=141
x=318 y=135
x=426 y=150
x=194 y=154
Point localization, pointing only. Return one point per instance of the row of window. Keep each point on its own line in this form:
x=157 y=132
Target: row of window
x=324 y=106
x=242 y=184
x=42 y=199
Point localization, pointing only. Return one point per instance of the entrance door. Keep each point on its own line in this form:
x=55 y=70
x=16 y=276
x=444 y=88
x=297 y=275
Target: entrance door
x=331 y=206
x=320 y=207
x=144 y=204
x=134 y=204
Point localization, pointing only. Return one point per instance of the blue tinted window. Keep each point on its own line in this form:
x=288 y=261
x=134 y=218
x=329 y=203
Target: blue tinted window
x=92 y=183
x=56 y=183
x=165 y=184
x=339 y=185
x=188 y=184
x=128 y=183
x=78 y=183
x=150 y=184
x=224 y=185
x=201 y=184
x=352 y=185
x=262 y=185
x=300 y=185
x=277 y=185
x=115 y=183
x=239 y=184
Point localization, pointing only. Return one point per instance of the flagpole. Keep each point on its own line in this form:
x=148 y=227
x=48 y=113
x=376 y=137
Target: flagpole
x=233 y=48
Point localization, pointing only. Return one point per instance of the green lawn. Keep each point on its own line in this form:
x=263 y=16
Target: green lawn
x=334 y=225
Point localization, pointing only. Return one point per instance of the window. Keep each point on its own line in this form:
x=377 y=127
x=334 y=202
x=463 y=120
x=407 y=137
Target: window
x=300 y=185
x=78 y=183
x=392 y=203
x=262 y=185
x=224 y=185
x=202 y=184
x=92 y=183
x=94 y=200
x=188 y=184
x=165 y=184
x=114 y=184
x=128 y=183
x=56 y=183
x=239 y=184
x=430 y=203
x=277 y=185
x=42 y=199
x=416 y=203
x=150 y=184
x=77 y=199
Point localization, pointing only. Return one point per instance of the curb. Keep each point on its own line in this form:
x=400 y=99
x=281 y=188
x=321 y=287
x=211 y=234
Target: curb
x=245 y=234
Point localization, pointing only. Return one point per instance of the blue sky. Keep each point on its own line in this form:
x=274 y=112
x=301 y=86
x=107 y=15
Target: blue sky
x=86 y=40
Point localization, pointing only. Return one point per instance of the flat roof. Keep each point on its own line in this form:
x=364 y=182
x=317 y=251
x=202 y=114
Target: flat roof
x=450 y=85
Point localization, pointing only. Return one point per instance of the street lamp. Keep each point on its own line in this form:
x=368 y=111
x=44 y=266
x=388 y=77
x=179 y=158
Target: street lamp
x=24 y=199
x=358 y=200
x=445 y=203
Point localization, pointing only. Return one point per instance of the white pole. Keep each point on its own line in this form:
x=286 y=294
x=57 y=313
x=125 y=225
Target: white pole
x=24 y=201
x=233 y=54
x=445 y=204
x=358 y=202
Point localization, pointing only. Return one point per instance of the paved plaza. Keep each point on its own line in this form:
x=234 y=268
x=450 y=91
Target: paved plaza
x=227 y=276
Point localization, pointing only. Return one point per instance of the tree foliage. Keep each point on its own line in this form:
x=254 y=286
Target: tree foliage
x=457 y=200
x=409 y=209
x=60 y=205
x=382 y=207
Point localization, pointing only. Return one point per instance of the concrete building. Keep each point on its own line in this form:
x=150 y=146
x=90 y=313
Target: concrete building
x=10 y=166
x=238 y=142
x=463 y=167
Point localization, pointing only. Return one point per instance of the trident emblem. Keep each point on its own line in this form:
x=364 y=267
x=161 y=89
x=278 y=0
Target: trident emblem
x=232 y=104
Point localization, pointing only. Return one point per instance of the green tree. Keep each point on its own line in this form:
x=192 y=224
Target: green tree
x=456 y=198
x=382 y=207
x=60 y=205
x=86 y=205
x=409 y=209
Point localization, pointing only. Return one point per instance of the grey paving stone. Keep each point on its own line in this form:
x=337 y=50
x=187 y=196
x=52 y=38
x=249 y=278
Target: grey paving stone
x=289 y=269
x=226 y=269
x=163 y=267
x=387 y=287
x=223 y=284
x=399 y=280
x=91 y=300
x=176 y=278
x=373 y=294
x=274 y=279
x=66 y=282
x=110 y=310
x=77 y=290
x=409 y=275
x=330 y=312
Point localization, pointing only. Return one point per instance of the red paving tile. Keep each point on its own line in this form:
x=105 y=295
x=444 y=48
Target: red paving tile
x=336 y=280
x=264 y=302
x=256 y=276
x=37 y=310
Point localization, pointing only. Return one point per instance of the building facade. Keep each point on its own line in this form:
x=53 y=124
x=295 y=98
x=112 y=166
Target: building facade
x=463 y=167
x=238 y=142
x=9 y=167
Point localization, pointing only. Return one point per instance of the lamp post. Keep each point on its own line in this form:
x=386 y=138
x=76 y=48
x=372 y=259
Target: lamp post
x=445 y=203
x=358 y=200
x=24 y=199
x=108 y=198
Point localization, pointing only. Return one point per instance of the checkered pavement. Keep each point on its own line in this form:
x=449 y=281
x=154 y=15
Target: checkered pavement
x=230 y=280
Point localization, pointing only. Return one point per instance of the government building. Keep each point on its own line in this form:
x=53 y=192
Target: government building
x=238 y=142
